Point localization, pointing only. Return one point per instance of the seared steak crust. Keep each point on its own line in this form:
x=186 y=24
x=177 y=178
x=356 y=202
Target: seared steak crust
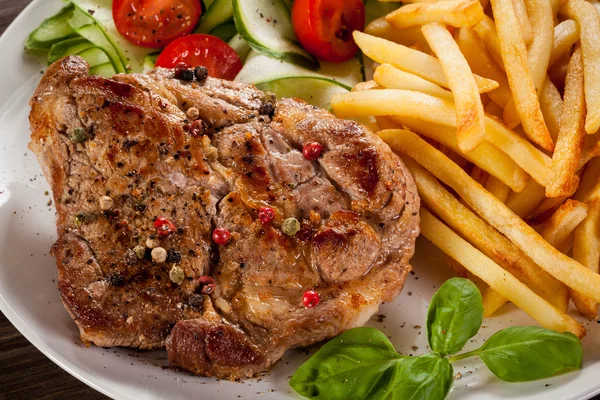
x=130 y=139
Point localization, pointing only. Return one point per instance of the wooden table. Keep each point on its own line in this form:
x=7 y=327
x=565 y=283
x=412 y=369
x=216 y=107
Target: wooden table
x=25 y=373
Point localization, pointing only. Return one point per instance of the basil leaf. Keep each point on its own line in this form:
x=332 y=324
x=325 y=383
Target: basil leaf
x=521 y=354
x=360 y=364
x=428 y=377
x=455 y=315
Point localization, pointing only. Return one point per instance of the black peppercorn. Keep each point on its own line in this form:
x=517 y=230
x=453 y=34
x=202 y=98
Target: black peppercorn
x=201 y=73
x=267 y=109
x=173 y=256
x=195 y=300
x=184 y=74
x=115 y=279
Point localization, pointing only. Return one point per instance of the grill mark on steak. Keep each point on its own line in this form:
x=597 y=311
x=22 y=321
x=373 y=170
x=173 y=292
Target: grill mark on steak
x=357 y=206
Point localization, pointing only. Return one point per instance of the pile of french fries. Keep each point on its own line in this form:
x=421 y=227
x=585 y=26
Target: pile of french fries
x=494 y=106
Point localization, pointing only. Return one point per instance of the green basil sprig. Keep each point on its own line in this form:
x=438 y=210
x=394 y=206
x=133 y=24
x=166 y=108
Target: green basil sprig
x=362 y=363
x=455 y=315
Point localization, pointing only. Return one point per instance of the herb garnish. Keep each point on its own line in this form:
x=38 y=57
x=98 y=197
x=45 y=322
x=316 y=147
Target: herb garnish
x=362 y=363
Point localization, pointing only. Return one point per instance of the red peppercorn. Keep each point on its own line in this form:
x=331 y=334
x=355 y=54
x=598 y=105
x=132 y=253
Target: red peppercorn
x=221 y=236
x=266 y=215
x=310 y=299
x=206 y=284
x=312 y=151
x=163 y=226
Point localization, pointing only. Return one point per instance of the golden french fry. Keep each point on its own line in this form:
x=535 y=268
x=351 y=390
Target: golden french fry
x=493 y=109
x=566 y=34
x=551 y=104
x=542 y=21
x=393 y=78
x=486 y=30
x=563 y=222
x=545 y=210
x=407 y=37
x=514 y=54
x=523 y=203
x=497 y=278
x=406 y=103
x=484 y=237
x=563 y=268
x=510 y=116
x=448 y=12
x=363 y=86
x=470 y=131
x=589 y=26
x=492 y=302
x=586 y=250
x=482 y=64
x=496 y=187
x=590 y=177
x=486 y=156
x=565 y=161
x=409 y=60
x=524 y=22
x=458 y=268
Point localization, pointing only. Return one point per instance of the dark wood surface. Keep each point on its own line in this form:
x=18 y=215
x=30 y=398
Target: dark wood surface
x=25 y=373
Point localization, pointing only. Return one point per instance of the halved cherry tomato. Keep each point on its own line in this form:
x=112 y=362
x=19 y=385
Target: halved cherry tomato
x=155 y=23
x=206 y=50
x=324 y=27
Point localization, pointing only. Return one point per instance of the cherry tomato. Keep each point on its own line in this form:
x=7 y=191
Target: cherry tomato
x=205 y=50
x=155 y=23
x=324 y=27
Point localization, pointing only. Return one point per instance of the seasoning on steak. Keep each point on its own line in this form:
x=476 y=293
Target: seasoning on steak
x=139 y=188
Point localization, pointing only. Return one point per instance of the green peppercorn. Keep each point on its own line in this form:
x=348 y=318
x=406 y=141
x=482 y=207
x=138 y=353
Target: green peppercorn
x=78 y=135
x=290 y=226
x=176 y=275
x=139 y=251
x=80 y=218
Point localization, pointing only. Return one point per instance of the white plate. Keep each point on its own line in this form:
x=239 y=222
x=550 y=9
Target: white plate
x=30 y=300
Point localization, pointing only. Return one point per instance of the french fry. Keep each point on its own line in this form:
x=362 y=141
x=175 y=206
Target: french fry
x=485 y=238
x=496 y=187
x=566 y=34
x=492 y=302
x=497 y=278
x=589 y=179
x=589 y=26
x=514 y=54
x=545 y=210
x=540 y=49
x=486 y=156
x=406 y=103
x=523 y=203
x=458 y=268
x=510 y=116
x=563 y=268
x=565 y=161
x=409 y=60
x=524 y=22
x=448 y=12
x=470 y=131
x=364 y=86
x=551 y=104
x=493 y=109
x=393 y=78
x=407 y=37
x=586 y=250
x=482 y=64
x=486 y=30
x=563 y=222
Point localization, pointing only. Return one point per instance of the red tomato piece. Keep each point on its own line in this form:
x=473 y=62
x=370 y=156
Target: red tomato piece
x=324 y=27
x=206 y=50
x=155 y=23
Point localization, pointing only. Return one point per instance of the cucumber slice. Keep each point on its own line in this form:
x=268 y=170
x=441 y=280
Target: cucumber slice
x=219 y=12
x=376 y=9
x=259 y=68
x=129 y=54
x=52 y=30
x=315 y=91
x=107 y=70
x=225 y=31
x=94 y=34
x=267 y=27
x=150 y=62
x=67 y=48
x=94 y=56
x=240 y=46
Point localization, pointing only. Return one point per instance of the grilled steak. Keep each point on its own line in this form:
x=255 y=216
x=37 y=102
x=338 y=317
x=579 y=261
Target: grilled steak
x=124 y=155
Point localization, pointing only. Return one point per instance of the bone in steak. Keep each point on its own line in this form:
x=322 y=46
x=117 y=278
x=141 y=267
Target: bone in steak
x=120 y=153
